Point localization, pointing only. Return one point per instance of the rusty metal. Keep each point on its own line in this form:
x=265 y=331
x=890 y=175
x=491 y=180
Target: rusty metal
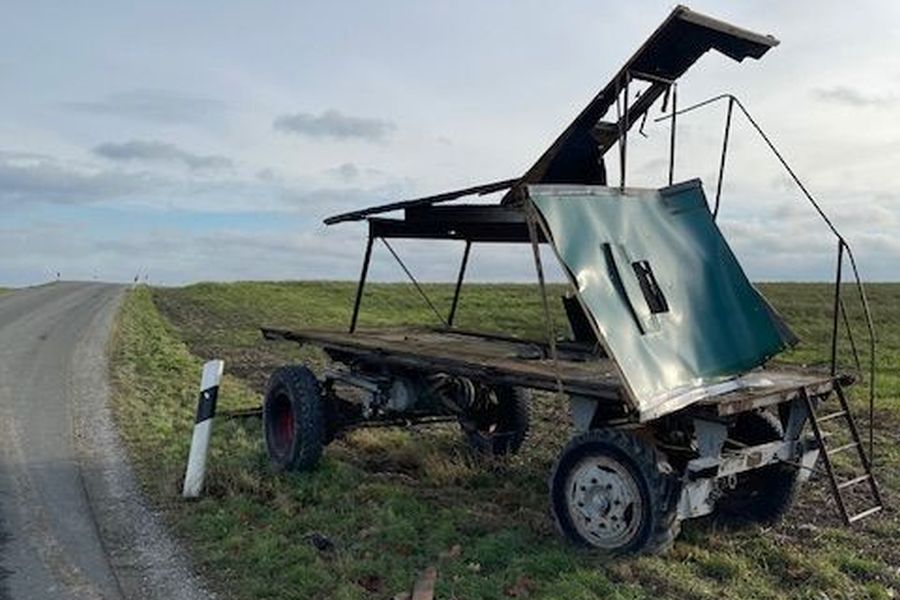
x=829 y=468
x=672 y=130
x=241 y=413
x=459 y=282
x=855 y=443
x=362 y=283
x=480 y=190
x=622 y=124
x=837 y=306
x=721 y=176
x=647 y=377
x=666 y=57
x=548 y=317
x=872 y=344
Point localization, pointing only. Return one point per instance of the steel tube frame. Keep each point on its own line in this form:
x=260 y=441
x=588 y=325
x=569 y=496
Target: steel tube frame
x=459 y=282
x=362 y=282
x=672 y=129
x=843 y=247
x=837 y=307
x=724 y=154
x=539 y=267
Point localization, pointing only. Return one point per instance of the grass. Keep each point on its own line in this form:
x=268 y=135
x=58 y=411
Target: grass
x=392 y=502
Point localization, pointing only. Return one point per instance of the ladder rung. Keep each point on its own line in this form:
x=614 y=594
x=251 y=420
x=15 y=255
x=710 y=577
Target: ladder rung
x=854 y=481
x=834 y=415
x=864 y=514
x=842 y=448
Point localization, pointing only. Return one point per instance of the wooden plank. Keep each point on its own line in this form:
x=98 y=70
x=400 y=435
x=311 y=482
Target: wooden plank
x=501 y=361
x=786 y=386
x=524 y=363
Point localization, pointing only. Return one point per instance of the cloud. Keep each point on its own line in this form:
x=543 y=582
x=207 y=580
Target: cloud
x=27 y=180
x=46 y=180
x=267 y=174
x=346 y=172
x=278 y=250
x=335 y=125
x=160 y=106
x=849 y=96
x=154 y=151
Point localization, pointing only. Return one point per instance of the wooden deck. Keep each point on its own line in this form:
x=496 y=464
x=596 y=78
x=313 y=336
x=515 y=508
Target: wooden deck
x=493 y=359
x=498 y=359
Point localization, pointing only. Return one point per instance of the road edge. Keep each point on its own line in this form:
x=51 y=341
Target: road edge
x=156 y=567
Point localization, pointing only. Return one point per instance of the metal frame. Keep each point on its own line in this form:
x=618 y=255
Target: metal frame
x=839 y=310
x=459 y=282
x=378 y=362
x=362 y=282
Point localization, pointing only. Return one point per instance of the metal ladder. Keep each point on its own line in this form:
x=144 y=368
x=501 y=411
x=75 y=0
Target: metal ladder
x=855 y=443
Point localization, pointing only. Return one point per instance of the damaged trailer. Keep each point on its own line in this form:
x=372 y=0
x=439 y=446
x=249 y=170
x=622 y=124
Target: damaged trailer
x=676 y=409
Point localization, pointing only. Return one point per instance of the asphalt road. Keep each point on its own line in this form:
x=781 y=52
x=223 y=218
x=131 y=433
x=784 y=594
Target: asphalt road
x=73 y=523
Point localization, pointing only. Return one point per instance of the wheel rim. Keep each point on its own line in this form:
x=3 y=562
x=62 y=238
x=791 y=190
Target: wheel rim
x=490 y=419
x=282 y=424
x=604 y=501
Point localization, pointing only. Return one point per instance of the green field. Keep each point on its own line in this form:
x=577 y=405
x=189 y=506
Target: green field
x=393 y=502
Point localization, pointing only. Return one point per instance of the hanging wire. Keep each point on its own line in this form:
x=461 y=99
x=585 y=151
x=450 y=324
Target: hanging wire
x=415 y=283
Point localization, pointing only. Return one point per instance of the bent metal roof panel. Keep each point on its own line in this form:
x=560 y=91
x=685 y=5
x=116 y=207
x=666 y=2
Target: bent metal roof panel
x=664 y=291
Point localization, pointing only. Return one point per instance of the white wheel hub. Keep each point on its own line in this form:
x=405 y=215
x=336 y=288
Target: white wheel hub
x=604 y=502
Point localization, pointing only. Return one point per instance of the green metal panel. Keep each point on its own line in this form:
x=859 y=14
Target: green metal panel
x=709 y=325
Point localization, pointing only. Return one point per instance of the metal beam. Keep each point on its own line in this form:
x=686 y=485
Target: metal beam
x=362 y=283
x=459 y=282
x=488 y=188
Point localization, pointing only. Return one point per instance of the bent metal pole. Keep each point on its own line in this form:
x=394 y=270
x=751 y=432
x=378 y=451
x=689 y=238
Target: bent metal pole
x=206 y=410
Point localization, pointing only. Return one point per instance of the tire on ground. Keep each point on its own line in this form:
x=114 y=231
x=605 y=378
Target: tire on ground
x=498 y=427
x=762 y=495
x=612 y=491
x=293 y=419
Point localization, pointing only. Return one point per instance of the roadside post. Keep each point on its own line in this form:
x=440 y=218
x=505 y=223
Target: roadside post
x=206 y=410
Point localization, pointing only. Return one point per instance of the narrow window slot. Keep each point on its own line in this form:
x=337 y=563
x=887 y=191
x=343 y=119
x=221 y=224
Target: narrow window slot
x=649 y=287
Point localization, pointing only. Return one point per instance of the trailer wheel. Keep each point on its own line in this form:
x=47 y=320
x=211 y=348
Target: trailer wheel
x=762 y=495
x=498 y=423
x=611 y=491
x=293 y=419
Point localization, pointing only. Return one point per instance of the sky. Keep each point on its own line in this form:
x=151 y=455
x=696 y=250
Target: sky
x=194 y=141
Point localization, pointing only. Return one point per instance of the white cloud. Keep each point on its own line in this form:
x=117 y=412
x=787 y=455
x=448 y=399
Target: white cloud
x=155 y=151
x=334 y=125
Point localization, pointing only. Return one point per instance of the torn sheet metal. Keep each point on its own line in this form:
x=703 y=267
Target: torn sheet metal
x=666 y=294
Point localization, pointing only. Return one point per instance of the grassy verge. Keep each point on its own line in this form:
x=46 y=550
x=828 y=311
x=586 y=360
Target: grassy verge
x=391 y=502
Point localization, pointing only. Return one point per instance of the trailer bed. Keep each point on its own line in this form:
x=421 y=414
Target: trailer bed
x=579 y=369
x=489 y=358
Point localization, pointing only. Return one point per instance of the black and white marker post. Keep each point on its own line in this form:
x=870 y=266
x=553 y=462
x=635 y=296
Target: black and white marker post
x=206 y=410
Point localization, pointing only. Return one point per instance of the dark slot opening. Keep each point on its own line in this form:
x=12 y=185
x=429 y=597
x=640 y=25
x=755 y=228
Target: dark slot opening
x=578 y=321
x=650 y=288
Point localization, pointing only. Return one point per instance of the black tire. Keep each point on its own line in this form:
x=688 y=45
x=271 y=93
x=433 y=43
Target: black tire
x=293 y=419
x=499 y=425
x=653 y=526
x=762 y=495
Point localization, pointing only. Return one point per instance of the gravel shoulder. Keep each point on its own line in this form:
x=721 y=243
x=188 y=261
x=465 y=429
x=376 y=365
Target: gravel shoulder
x=77 y=524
